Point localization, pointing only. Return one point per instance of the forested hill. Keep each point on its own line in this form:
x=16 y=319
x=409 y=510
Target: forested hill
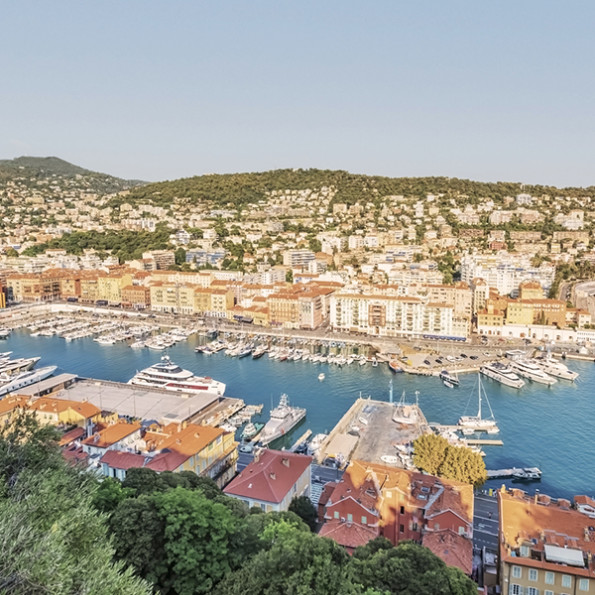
x=35 y=172
x=244 y=188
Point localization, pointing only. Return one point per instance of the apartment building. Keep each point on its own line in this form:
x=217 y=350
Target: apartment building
x=390 y=316
x=373 y=500
x=546 y=546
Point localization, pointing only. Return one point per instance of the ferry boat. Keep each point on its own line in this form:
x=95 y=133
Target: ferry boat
x=528 y=369
x=555 y=368
x=501 y=373
x=169 y=376
x=449 y=380
x=284 y=418
x=476 y=423
x=23 y=379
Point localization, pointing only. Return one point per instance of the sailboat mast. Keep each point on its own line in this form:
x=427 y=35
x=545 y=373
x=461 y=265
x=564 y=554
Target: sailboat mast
x=479 y=393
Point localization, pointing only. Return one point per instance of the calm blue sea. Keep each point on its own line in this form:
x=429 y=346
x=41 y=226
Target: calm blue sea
x=551 y=428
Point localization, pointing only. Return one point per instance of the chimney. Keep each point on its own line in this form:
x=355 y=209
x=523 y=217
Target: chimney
x=272 y=475
x=285 y=461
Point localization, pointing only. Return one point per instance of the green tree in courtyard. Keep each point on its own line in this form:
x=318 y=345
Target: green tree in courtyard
x=429 y=451
x=303 y=507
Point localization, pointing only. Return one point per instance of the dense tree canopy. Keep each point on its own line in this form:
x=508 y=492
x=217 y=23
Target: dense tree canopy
x=434 y=455
x=62 y=531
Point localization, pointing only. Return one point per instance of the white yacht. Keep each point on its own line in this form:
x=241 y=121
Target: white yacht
x=556 y=368
x=169 y=376
x=23 y=379
x=529 y=369
x=503 y=374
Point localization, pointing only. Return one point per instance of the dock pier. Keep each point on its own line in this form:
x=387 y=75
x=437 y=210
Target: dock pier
x=512 y=472
x=301 y=440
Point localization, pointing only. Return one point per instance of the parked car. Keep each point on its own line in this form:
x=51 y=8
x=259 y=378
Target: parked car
x=463 y=355
x=472 y=357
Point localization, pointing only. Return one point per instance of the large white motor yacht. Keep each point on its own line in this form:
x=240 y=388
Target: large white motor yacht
x=530 y=370
x=169 y=376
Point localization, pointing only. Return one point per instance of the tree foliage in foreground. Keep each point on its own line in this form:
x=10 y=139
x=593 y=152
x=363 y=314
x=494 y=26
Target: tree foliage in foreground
x=62 y=532
x=52 y=540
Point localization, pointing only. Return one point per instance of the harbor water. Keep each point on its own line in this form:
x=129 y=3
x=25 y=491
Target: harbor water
x=550 y=428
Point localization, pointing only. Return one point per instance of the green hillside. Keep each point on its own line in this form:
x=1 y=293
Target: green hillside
x=239 y=189
x=30 y=171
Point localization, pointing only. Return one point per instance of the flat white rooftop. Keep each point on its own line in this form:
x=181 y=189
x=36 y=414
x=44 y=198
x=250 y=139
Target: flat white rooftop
x=137 y=401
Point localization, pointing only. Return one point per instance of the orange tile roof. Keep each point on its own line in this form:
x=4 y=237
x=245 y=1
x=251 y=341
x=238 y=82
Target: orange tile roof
x=10 y=403
x=84 y=408
x=71 y=436
x=541 y=521
x=111 y=434
x=190 y=440
x=270 y=477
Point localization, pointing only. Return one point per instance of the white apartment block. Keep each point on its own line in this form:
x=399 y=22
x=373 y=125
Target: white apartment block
x=505 y=272
x=392 y=316
x=297 y=258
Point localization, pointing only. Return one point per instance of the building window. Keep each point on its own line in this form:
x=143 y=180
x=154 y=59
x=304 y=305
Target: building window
x=517 y=571
x=549 y=578
x=349 y=518
x=401 y=528
x=336 y=514
x=515 y=589
x=532 y=574
x=402 y=510
x=524 y=551
x=583 y=584
x=532 y=591
x=548 y=592
x=364 y=520
x=566 y=580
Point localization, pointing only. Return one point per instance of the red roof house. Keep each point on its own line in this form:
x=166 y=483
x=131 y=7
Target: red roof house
x=272 y=480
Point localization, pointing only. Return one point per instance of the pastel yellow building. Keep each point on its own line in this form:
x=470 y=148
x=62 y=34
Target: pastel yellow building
x=57 y=412
x=519 y=312
x=110 y=287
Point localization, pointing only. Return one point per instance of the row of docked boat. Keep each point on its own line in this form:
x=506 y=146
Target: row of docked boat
x=241 y=350
x=541 y=370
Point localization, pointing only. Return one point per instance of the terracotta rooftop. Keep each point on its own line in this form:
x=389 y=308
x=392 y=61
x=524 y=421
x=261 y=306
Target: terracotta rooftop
x=118 y=459
x=189 y=440
x=71 y=436
x=539 y=522
x=47 y=404
x=455 y=550
x=166 y=461
x=111 y=434
x=270 y=476
x=349 y=536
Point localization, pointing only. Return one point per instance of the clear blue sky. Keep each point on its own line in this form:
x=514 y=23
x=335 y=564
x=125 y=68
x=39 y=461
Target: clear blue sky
x=498 y=90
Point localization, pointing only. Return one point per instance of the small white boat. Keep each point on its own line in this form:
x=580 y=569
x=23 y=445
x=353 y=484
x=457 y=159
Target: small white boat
x=321 y=376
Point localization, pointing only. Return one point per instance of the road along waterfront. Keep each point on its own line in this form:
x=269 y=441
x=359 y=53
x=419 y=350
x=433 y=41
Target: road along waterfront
x=548 y=427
